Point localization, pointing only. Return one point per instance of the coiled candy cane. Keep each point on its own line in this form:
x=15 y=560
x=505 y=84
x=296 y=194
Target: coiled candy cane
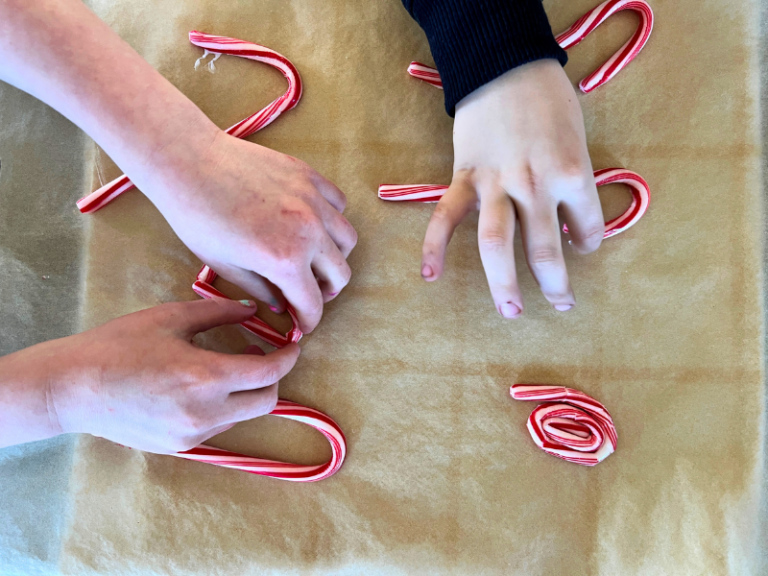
x=246 y=127
x=582 y=28
x=569 y=424
x=641 y=196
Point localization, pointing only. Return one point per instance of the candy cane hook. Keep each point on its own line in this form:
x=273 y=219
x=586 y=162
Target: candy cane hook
x=246 y=127
x=282 y=470
x=582 y=28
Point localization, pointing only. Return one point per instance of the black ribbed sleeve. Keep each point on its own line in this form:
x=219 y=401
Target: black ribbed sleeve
x=475 y=41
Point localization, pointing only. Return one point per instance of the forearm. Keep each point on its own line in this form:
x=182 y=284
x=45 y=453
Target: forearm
x=26 y=411
x=61 y=53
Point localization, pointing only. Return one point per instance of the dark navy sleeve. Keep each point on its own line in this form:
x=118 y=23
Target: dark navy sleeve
x=476 y=41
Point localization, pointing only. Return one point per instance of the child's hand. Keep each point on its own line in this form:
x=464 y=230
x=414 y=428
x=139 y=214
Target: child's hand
x=140 y=381
x=520 y=153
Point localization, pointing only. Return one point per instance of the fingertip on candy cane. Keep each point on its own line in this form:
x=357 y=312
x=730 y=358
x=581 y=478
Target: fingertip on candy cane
x=641 y=199
x=203 y=287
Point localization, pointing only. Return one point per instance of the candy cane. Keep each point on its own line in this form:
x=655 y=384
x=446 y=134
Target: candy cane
x=282 y=470
x=204 y=289
x=582 y=28
x=255 y=122
x=569 y=424
x=641 y=196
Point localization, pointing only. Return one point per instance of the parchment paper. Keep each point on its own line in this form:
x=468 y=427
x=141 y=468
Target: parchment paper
x=442 y=477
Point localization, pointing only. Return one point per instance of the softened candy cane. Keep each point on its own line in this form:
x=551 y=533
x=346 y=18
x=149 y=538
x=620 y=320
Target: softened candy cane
x=246 y=127
x=641 y=196
x=203 y=288
x=282 y=470
x=582 y=28
x=568 y=424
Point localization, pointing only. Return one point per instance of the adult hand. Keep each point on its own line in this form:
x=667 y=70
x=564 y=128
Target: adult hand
x=140 y=381
x=263 y=220
x=520 y=154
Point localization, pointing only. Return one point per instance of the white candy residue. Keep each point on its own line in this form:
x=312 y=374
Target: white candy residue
x=211 y=66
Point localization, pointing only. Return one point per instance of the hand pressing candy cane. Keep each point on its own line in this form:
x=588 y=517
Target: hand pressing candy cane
x=641 y=196
x=568 y=424
x=520 y=158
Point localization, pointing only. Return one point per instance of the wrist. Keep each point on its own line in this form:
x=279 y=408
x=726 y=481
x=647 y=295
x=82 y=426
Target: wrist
x=27 y=411
x=173 y=167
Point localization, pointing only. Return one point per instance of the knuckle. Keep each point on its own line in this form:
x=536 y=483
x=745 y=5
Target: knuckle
x=493 y=240
x=350 y=233
x=542 y=258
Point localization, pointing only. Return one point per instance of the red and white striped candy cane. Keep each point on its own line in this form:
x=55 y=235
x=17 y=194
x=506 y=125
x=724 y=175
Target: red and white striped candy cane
x=203 y=288
x=641 y=196
x=282 y=470
x=255 y=122
x=582 y=28
x=569 y=424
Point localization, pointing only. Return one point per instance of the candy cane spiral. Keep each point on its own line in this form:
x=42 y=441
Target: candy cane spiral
x=568 y=424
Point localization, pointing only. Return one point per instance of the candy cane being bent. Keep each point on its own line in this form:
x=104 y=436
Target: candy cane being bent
x=255 y=122
x=282 y=470
x=203 y=288
x=641 y=196
x=569 y=424
x=582 y=28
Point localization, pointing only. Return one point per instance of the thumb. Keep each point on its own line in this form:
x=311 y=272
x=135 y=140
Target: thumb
x=206 y=314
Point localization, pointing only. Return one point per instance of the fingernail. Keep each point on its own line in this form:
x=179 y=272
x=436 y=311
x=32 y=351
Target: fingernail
x=247 y=303
x=274 y=309
x=563 y=307
x=332 y=294
x=509 y=310
x=426 y=271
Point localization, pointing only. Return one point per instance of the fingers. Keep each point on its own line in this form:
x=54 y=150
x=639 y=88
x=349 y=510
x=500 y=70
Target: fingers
x=256 y=285
x=251 y=404
x=329 y=191
x=584 y=217
x=301 y=289
x=189 y=318
x=543 y=248
x=458 y=201
x=252 y=371
x=338 y=227
x=496 y=232
x=332 y=271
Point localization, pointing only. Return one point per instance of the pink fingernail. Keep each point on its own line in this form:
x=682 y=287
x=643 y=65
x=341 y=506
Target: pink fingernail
x=563 y=307
x=332 y=294
x=274 y=309
x=509 y=310
x=426 y=271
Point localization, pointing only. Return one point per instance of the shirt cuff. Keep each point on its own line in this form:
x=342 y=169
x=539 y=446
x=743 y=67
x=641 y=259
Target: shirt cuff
x=476 y=41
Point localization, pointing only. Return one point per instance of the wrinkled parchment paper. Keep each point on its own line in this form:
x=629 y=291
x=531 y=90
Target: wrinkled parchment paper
x=442 y=477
